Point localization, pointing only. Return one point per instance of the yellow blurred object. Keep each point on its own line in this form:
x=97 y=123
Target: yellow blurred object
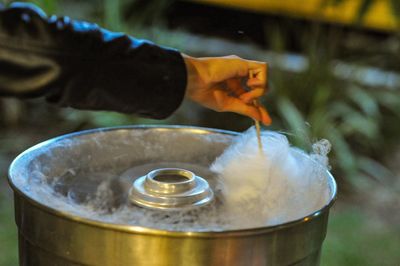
x=379 y=15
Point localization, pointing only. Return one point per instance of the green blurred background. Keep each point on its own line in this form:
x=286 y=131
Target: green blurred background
x=329 y=79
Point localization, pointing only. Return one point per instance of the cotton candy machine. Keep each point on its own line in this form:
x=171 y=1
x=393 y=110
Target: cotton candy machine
x=81 y=199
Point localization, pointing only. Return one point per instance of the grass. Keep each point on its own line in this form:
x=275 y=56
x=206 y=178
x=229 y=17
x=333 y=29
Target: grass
x=354 y=238
x=8 y=232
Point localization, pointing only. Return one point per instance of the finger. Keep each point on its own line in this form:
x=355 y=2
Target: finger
x=260 y=74
x=265 y=117
x=231 y=104
x=248 y=97
x=235 y=86
x=239 y=107
x=255 y=82
x=223 y=68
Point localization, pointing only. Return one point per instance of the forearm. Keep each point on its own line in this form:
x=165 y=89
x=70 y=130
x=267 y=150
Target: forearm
x=80 y=65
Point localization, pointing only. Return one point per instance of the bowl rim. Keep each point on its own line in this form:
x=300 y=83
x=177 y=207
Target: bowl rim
x=153 y=231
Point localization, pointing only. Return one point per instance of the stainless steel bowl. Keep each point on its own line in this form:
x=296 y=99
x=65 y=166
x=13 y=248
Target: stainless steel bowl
x=51 y=236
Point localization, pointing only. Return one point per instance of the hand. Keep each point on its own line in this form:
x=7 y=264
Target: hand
x=215 y=83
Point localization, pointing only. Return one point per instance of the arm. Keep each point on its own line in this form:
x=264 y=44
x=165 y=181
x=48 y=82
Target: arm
x=80 y=65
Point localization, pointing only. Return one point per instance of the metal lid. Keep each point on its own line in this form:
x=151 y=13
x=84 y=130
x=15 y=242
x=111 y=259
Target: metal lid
x=170 y=189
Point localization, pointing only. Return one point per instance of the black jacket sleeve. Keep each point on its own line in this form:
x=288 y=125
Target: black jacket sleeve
x=78 y=64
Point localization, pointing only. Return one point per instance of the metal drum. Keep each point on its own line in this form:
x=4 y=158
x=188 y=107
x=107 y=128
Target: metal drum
x=56 y=236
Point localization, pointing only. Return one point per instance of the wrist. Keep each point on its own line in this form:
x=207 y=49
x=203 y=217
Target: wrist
x=194 y=81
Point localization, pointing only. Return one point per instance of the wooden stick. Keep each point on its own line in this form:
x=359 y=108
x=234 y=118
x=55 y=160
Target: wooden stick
x=258 y=131
x=256 y=122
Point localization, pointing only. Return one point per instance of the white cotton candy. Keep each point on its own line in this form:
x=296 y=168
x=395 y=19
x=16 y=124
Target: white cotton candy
x=274 y=186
